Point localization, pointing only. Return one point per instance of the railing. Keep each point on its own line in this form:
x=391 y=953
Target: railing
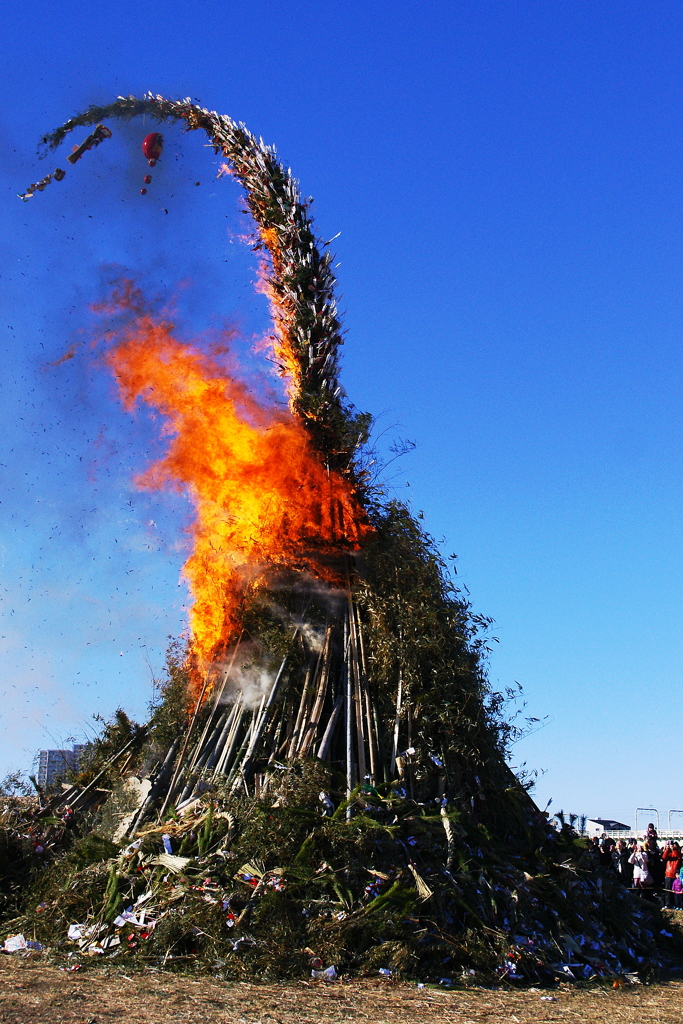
x=628 y=833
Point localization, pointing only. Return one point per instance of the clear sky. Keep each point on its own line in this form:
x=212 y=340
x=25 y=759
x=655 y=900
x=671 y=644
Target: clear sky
x=508 y=183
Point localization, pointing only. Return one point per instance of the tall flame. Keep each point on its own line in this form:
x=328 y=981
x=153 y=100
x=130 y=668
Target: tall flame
x=283 y=313
x=262 y=497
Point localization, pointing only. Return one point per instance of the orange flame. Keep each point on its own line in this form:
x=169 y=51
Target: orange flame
x=262 y=497
x=282 y=312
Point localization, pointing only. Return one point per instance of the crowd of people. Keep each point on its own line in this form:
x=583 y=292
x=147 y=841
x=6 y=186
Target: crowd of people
x=643 y=864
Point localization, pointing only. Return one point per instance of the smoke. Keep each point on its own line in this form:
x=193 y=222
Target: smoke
x=246 y=674
x=312 y=634
x=309 y=590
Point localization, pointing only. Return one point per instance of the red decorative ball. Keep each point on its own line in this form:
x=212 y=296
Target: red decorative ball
x=152 y=146
x=143 y=191
x=147 y=178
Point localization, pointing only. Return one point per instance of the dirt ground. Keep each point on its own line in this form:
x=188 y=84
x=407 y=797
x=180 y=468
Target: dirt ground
x=33 y=993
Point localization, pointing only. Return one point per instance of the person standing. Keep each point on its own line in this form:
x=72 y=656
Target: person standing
x=671 y=856
x=655 y=864
x=621 y=863
x=606 y=847
x=642 y=879
x=677 y=892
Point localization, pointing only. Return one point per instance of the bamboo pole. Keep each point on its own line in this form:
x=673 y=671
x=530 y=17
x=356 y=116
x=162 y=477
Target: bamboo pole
x=311 y=669
x=360 y=724
x=229 y=742
x=275 y=746
x=220 y=742
x=326 y=741
x=208 y=725
x=179 y=767
x=349 y=725
x=380 y=744
x=357 y=703
x=65 y=797
x=397 y=721
x=190 y=776
x=209 y=751
x=409 y=763
x=372 y=738
x=284 y=746
x=246 y=764
x=259 y=722
x=157 y=787
x=210 y=744
x=219 y=693
x=372 y=745
x=224 y=763
x=311 y=727
x=237 y=759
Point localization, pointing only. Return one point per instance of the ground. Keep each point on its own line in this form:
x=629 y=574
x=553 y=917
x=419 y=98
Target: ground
x=33 y=993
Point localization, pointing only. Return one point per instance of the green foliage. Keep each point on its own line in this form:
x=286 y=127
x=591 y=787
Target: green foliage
x=89 y=849
x=168 y=709
x=113 y=897
x=348 y=894
x=422 y=630
x=115 y=734
x=18 y=864
x=15 y=784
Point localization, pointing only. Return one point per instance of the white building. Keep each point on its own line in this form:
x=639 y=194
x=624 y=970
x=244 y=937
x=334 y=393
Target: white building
x=598 y=827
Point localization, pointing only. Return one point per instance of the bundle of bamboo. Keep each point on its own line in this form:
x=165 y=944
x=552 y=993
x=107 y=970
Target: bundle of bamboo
x=395 y=693
x=233 y=739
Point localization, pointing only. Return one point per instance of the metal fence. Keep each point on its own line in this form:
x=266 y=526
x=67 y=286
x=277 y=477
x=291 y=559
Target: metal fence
x=628 y=833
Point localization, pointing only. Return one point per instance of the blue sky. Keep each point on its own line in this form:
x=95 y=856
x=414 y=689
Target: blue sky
x=508 y=183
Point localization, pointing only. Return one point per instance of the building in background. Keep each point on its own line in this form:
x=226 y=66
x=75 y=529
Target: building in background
x=55 y=765
x=600 y=826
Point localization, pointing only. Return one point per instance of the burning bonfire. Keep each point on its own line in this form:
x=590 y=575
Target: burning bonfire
x=322 y=785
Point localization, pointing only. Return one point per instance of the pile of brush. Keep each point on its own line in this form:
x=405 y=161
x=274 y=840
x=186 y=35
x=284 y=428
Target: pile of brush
x=244 y=889
x=339 y=802
x=334 y=796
